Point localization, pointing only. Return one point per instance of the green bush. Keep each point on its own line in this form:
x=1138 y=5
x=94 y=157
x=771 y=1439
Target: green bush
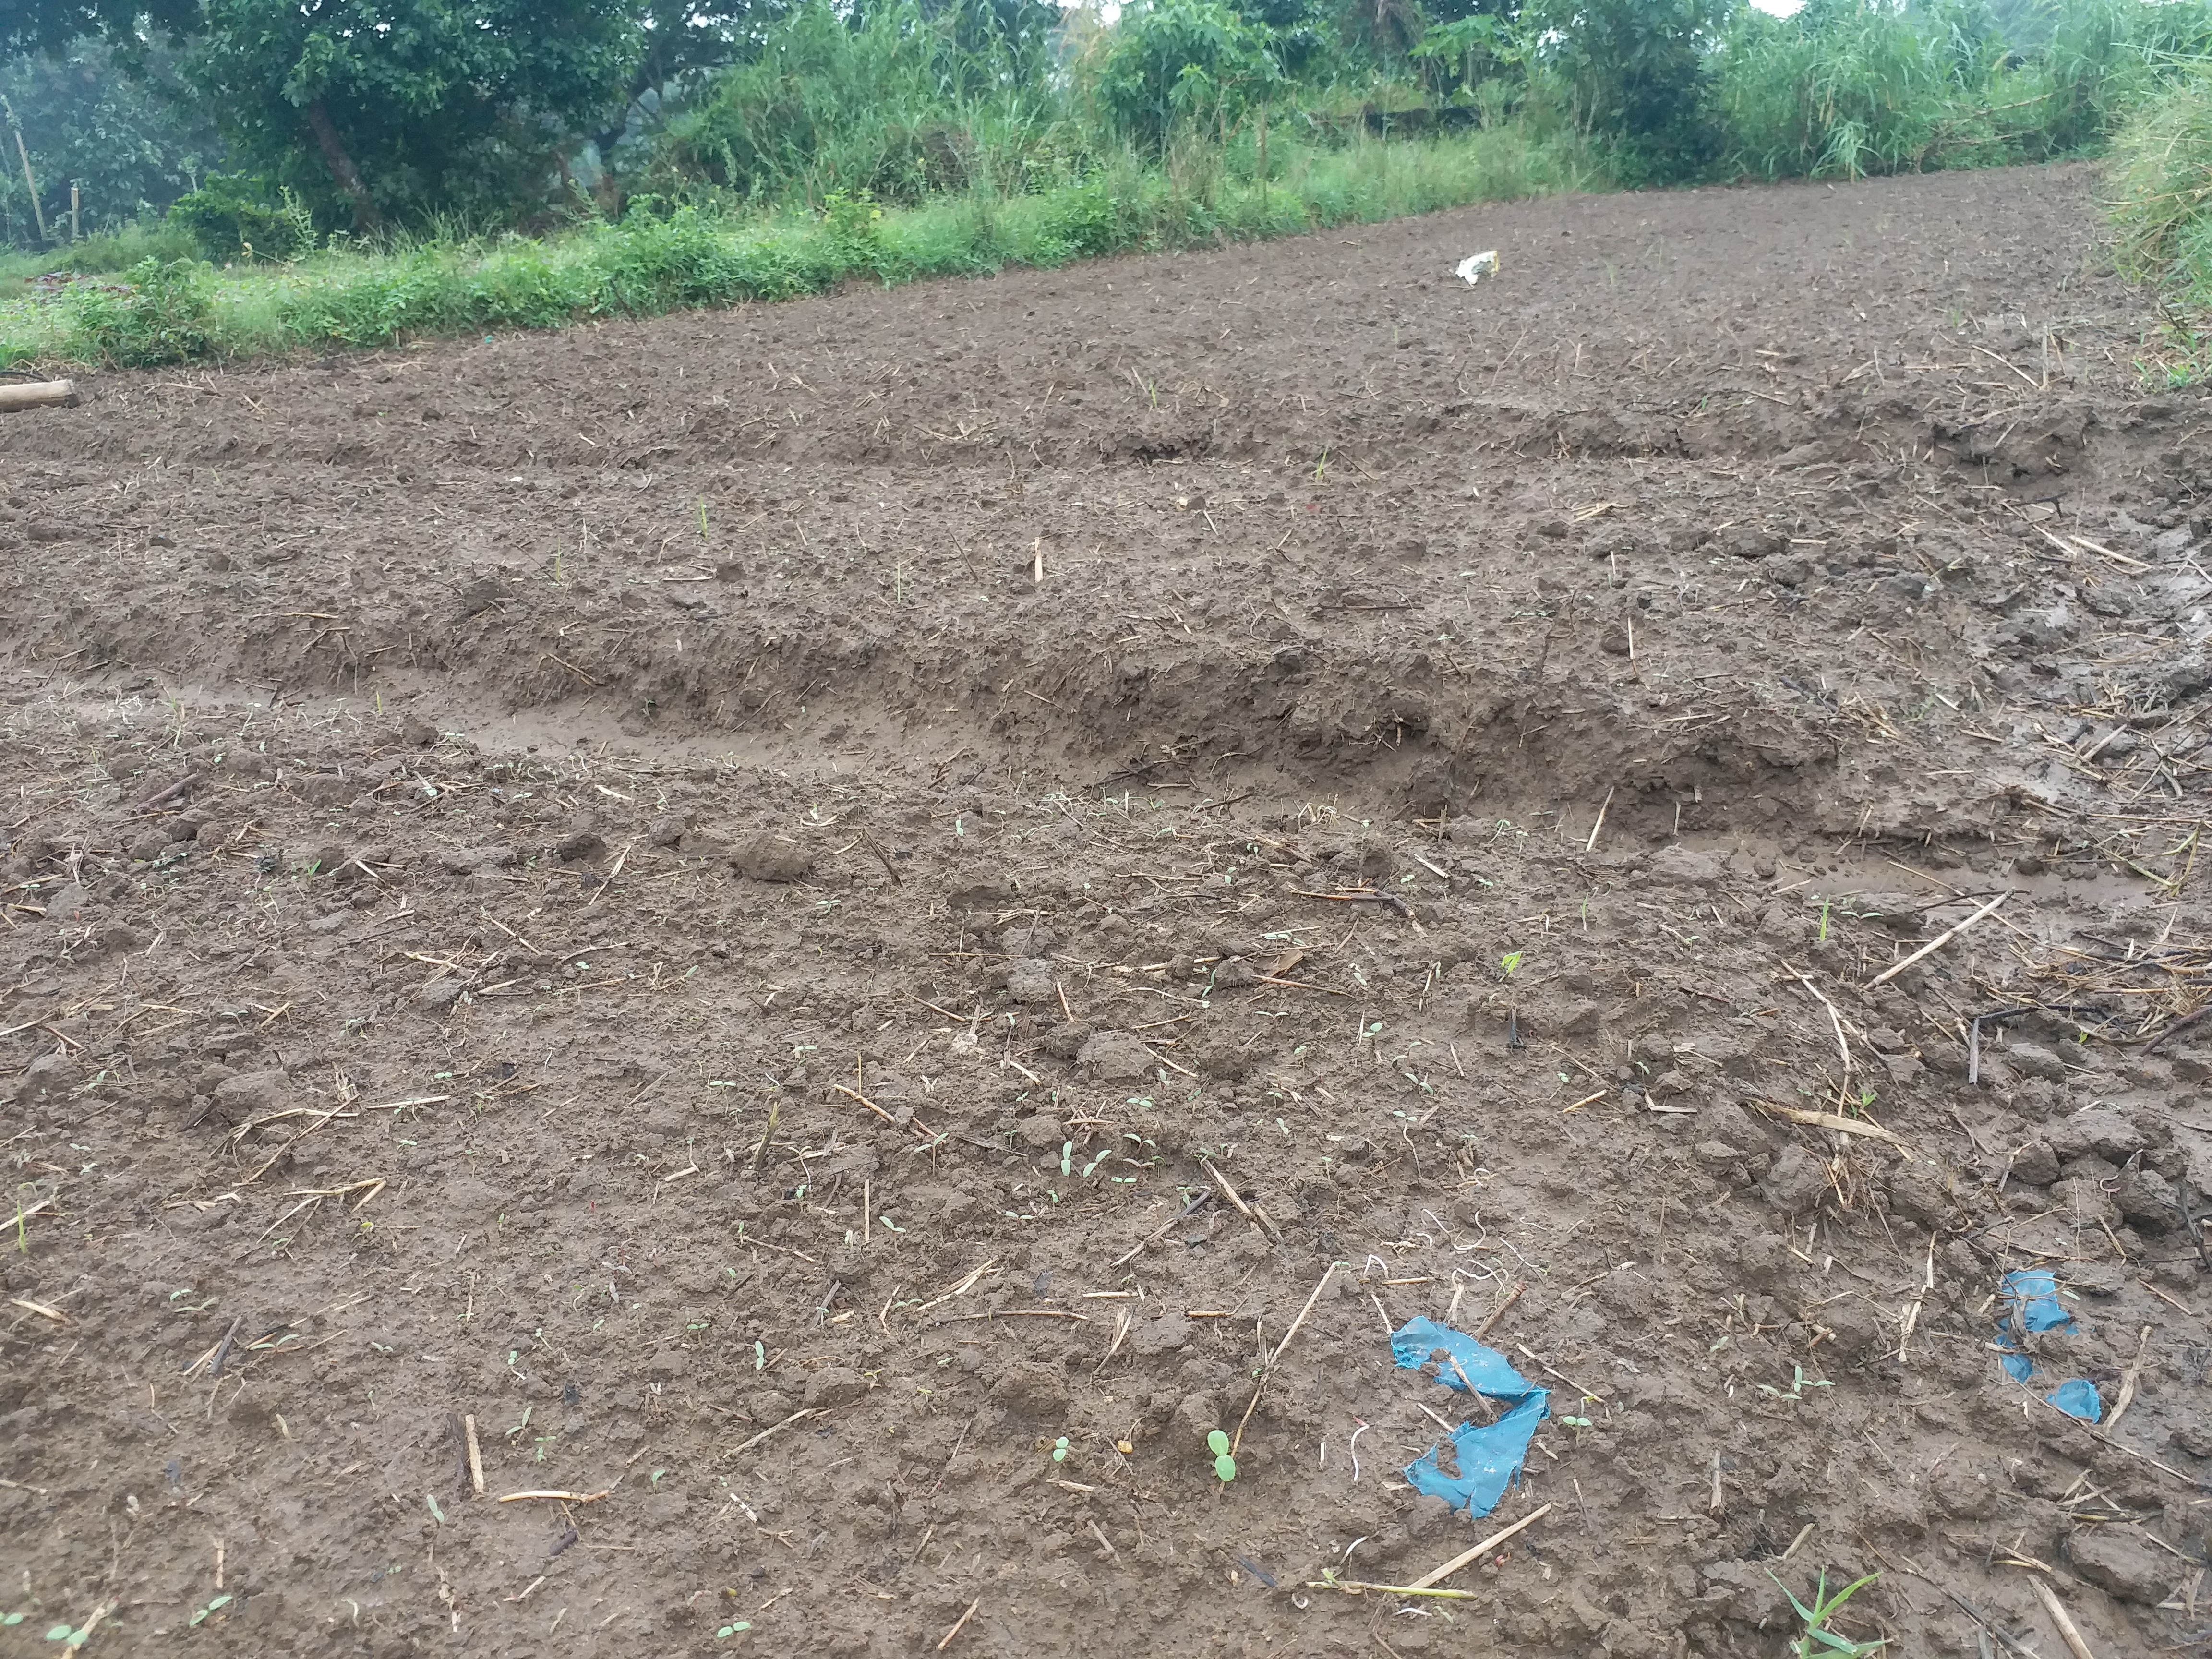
x=380 y=305
x=1181 y=63
x=670 y=264
x=232 y=217
x=166 y=315
x=1082 y=223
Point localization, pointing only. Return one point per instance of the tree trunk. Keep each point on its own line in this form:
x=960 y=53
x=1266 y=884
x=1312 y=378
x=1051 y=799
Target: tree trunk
x=365 y=215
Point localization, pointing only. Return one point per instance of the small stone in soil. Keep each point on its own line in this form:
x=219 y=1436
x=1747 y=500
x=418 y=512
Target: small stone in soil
x=1115 y=1057
x=766 y=857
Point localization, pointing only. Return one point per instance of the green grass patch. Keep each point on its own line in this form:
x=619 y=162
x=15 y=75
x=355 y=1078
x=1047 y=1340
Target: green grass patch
x=2161 y=191
x=175 y=311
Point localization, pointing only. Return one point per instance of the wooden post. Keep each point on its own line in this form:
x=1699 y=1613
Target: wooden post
x=76 y=224
x=37 y=394
x=38 y=211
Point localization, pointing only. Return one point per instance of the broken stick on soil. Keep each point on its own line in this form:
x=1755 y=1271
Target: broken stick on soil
x=1298 y=1324
x=1162 y=1231
x=2069 y=1632
x=1501 y=1310
x=1830 y=1120
x=962 y=1624
x=1936 y=943
x=1229 y=1193
x=1467 y=1558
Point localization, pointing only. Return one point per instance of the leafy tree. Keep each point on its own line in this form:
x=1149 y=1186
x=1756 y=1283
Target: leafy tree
x=132 y=143
x=49 y=26
x=1487 y=55
x=1299 y=32
x=1173 y=61
x=682 y=44
x=1639 y=73
x=400 y=108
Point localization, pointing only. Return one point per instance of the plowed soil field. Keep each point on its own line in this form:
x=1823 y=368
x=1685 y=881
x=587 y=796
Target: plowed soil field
x=715 y=987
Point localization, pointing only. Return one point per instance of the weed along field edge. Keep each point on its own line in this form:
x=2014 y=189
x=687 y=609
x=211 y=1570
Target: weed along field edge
x=1247 y=945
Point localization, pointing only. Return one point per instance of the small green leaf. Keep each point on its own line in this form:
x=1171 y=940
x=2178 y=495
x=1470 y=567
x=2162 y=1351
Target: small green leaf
x=731 y=1629
x=1218 y=1443
x=1225 y=1466
x=60 y=1633
x=437 y=1514
x=12 y=1618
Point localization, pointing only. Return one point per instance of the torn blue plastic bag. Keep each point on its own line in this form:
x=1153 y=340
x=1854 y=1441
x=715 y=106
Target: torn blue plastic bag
x=2078 y=1399
x=2031 y=1304
x=1489 y=1454
x=2031 y=1295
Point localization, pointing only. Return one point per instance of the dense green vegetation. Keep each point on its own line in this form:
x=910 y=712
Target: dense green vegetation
x=272 y=173
x=2162 y=178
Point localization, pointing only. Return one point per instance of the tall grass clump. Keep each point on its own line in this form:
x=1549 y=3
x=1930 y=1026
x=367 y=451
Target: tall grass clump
x=1846 y=88
x=896 y=103
x=2161 y=186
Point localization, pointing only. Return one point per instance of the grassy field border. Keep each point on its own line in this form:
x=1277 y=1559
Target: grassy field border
x=647 y=266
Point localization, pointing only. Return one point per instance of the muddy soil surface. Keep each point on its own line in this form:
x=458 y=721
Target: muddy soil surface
x=824 y=919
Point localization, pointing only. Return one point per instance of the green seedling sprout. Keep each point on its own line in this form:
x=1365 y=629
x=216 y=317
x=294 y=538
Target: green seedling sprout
x=726 y=1631
x=1798 y=1384
x=1819 y=1642
x=219 y=1601
x=1509 y=963
x=1224 y=1466
x=1059 y=1450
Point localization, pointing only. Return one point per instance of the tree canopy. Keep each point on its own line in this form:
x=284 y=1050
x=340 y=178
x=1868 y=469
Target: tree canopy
x=386 y=103
x=50 y=26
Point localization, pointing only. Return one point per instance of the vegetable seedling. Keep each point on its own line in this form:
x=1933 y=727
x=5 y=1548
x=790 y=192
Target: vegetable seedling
x=1798 y=1384
x=1059 y=1450
x=1819 y=1642
x=219 y=1601
x=1224 y=1466
x=1509 y=963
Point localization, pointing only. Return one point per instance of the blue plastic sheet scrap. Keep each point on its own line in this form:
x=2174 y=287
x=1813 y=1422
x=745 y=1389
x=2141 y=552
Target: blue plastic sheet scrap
x=1489 y=1454
x=2031 y=1304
